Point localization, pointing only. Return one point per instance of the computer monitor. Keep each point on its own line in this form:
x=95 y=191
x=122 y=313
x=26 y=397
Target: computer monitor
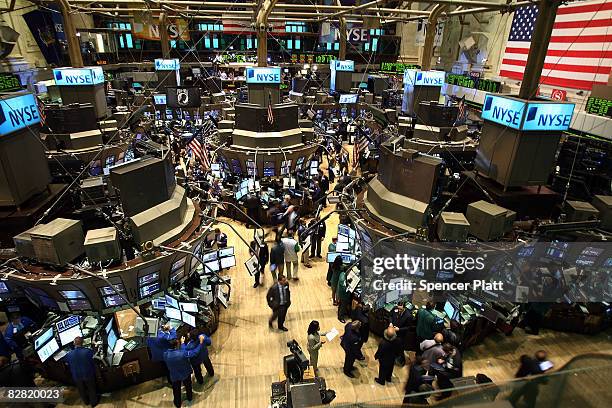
x=188 y=307
x=159 y=304
x=153 y=325
x=210 y=256
x=113 y=300
x=43 y=338
x=111 y=341
x=3 y=288
x=48 y=349
x=215 y=167
x=314 y=171
x=269 y=172
x=172 y=313
x=172 y=302
x=212 y=266
x=68 y=329
x=159 y=99
x=348 y=98
x=189 y=319
x=342 y=246
x=450 y=310
x=314 y=164
x=228 y=262
x=229 y=251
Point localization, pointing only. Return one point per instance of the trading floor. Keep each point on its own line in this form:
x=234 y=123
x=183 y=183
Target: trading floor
x=247 y=355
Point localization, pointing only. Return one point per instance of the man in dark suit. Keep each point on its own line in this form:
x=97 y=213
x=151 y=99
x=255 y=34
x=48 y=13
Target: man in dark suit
x=202 y=358
x=317 y=235
x=83 y=370
x=402 y=320
x=279 y=300
x=388 y=350
x=351 y=343
x=277 y=258
x=263 y=254
x=252 y=204
x=361 y=313
x=178 y=361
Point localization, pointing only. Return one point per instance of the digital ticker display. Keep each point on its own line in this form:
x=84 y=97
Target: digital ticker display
x=599 y=106
x=9 y=82
x=474 y=83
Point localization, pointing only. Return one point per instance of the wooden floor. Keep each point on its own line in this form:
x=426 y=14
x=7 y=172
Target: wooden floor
x=247 y=355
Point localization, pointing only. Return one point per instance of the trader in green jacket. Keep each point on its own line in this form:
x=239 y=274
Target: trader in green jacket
x=425 y=323
x=344 y=297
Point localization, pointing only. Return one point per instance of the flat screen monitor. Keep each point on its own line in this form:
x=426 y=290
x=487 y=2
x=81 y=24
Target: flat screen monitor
x=170 y=301
x=450 y=310
x=43 y=338
x=159 y=99
x=109 y=290
x=111 y=341
x=68 y=336
x=342 y=246
x=228 y=262
x=226 y=252
x=159 y=304
x=210 y=256
x=236 y=168
x=148 y=290
x=269 y=171
x=109 y=326
x=172 y=313
x=299 y=163
x=72 y=294
x=314 y=171
x=3 y=288
x=178 y=264
x=189 y=319
x=188 y=307
x=348 y=98
x=212 y=266
x=48 y=349
x=314 y=164
x=445 y=276
x=215 y=167
x=113 y=300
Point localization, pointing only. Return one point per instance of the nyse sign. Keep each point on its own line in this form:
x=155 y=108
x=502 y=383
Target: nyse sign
x=263 y=75
x=17 y=113
x=78 y=76
x=342 y=65
x=167 y=64
x=424 y=78
x=539 y=116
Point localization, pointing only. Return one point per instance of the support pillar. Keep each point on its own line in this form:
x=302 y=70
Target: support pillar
x=343 y=29
x=262 y=47
x=430 y=35
x=74 y=47
x=547 y=12
x=163 y=35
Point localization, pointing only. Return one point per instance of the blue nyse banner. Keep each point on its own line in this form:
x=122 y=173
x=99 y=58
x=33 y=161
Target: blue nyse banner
x=505 y=111
x=548 y=116
x=424 y=78
x=17 y=113
x=342 y=65
x=263 y=75
x=167 y=64
x=78 y=76
x=533 y=116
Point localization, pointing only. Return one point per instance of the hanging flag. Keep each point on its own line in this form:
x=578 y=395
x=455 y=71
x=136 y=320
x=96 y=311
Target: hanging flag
x=41 y=111
x=270 y=110
x=360 y=146
x=579 y=53
x=206 y=157
x=462 y=112
x=198 y=150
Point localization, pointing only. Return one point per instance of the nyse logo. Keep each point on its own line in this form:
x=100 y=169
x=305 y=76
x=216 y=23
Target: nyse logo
x=17 y=113
x=547 y=120
x=507 y=112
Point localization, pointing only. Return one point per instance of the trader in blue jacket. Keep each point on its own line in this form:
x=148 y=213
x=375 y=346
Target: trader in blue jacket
x=160 y=344
x=202 y=357
x=83 y=370
x=177 y=360
x=15 y=333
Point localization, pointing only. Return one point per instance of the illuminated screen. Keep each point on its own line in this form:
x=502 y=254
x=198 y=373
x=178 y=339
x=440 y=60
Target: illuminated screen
x=189 y=319
x=47 y=350
x=450 y=310
x=43 y=338
x=113 y=300
x=210 y=256
x=112 y=341
x=3 y=288
x=348 y=98
x=78 y=304
x=226 y=251
x=170 y=301
x=68 y=336
x=212 y=266
x=228 y=262
x=269 y=169
x=149 y=283
x=178 y=264
x=159 y=304
x=188 y=307
x=172 y=313
x=108 y=290
x=159 y=99
x=72 y=294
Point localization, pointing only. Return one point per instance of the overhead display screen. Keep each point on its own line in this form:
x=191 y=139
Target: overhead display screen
x=534 y=116
x=599 y=106
x=159 y=99
x=263 y=75
x=424 y=78
x=167 y=64
x=342 y=65
x=78 y=76
x=17 y=113
x=348 y=98
x=9 y=82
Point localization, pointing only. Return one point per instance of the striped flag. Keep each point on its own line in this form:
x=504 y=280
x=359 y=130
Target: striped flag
x=461 y=113
x=41 y=111
x=270 y=110
x=359 y=147
x=200 y=151
x=580 y=51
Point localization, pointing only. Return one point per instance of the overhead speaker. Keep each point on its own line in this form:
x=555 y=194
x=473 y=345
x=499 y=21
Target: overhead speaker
x=8 y=39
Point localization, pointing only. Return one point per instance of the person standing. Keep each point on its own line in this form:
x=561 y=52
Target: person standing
x=425 y=322
x=263 y=254
x=202 y=357
x=15 y=333
x=305 y=241
x=83 y=370
x=315 y=342
x=351 y=343
x=291 y=255
x=253 y=206
x=277 y=258
x=361 y=313
x=318 y=234
x=402 y=320
x=279 y=300
x=160 y=344
x=387 y=352
x=177 y=359
x=416 y=378
x=335 y=268
x=344 y=297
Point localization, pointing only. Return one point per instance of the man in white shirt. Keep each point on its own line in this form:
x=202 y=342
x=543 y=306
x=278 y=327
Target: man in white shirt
x=291 y=255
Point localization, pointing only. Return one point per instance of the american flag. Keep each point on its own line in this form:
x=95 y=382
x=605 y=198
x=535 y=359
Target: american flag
x=200 y=151
x=462 y=112
x=580 y=51
x=41 y=111
x=360 y=146
x=270 y=110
